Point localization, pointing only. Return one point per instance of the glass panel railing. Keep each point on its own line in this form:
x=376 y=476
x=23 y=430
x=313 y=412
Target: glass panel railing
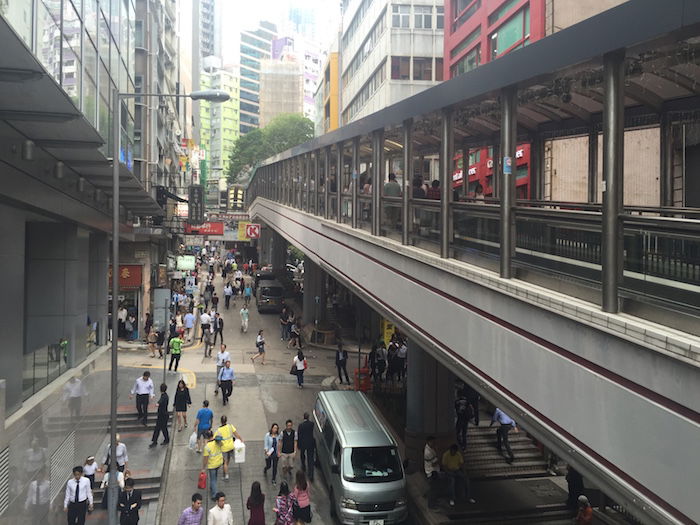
x=346 y=209
x=364 y=217
x=425 y=225
x=391 y=217
x=476 y=232
x=332 y=205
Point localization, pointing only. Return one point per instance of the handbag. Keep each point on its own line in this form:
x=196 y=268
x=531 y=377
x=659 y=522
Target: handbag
x=293 y=371
x=202 y=481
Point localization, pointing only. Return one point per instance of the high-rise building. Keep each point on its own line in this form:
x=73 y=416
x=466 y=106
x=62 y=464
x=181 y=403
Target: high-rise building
x=389 y=51
x=210 y=28
x=328 y=87
x=255 y=45
x=281 y=89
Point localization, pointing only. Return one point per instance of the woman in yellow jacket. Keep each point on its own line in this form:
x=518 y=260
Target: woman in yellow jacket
x=228 y=434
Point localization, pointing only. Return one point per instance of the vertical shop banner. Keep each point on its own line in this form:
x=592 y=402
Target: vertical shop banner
x=195 y=207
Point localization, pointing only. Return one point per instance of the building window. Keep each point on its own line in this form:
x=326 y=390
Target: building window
x=400 y=68
x=513 y=34
x=423 y=17
x=401 y=16
x=464 y=44
x=463 y=11
x=440 y=17
x=422 y=68
x=502 y=11
x=138 y=33
x=438 y=69
x=470 y=61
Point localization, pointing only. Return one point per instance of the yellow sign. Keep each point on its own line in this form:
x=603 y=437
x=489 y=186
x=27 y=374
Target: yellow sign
x=387 y=331
x=241 y=231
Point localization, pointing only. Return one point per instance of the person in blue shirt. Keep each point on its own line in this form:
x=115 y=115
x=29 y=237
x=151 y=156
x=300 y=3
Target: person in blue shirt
x=505 y=424
x=226 y=379
x=247 y=294
x=203 y=424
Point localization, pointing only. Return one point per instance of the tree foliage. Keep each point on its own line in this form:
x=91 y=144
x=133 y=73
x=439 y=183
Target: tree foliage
x=283 y=132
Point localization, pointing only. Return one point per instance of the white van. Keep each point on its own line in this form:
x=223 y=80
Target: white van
x=360 y=460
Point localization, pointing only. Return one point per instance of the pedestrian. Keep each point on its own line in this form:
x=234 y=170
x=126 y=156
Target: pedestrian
x=505 y=425
x=73 y=392
x=473 y=398
x=212 y=460
x=245 y=315
x=175 y=352
x=301 y=508
x=341 y=360
x=247 y=293
x=452 y=466
x=290 y=322
x=306 y=443
x=260 y=345
x=181 y=402
x=215 y=301
x=381 y=360
x=78 y=498
x=152 y=340
x=226 y=379
x=131 y=328
x=122 y=456
x=372 y=362
x=38 y=501
x=295 y=334
x=106 y=480
x=299 y=364
x=283 y=506
x=228 y=435
x=228 y=293
x=129 y=504
x=220 y=514
x=148 y=323
x=241 y=287
x=463 y=413
x=204 y=324
x=188 y=321
x=221 y=359
x=256 y=505
x=89 y=469
x=272 y=447
x=585 y=511
x=218 y=327
x=143 y=388
x=160 y=341
x=193 y=514
x=203 y=423
x=431 y=466
x=401 y=353
x=574 y=482
x=288 y=450
x=162 y=418
x=122 y=314
x=208 y=342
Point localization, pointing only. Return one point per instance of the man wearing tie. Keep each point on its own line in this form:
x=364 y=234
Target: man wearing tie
x=218 y=327
x=143 y=388
x=78 y=499
x=129 y=504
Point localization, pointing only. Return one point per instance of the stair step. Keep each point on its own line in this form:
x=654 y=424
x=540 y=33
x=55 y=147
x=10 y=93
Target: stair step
x=489 y=459
x=101 y=417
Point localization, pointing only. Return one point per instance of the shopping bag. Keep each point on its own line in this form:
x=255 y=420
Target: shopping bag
x=202 y=481
x=293 y=371
x=238 y=451
x=193 y=441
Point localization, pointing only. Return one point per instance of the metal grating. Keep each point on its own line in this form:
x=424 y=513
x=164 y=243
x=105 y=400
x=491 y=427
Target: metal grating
x=62 y=465
x=4 y=480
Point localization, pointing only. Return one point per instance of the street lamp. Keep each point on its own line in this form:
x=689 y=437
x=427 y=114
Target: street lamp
x=210 y=95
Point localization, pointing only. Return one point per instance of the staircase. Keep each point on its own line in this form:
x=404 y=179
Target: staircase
x=149 y=487
x=483 y=460
x=126 y=422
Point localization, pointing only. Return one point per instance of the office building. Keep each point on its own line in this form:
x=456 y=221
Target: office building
x=255 y=46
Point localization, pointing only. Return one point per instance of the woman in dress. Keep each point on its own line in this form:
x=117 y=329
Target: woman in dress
x=256 y=505
x=272 y=456
x=181 y=402
x=300 y=364
x=260 y=345
x=283 y=506
x=302 y=506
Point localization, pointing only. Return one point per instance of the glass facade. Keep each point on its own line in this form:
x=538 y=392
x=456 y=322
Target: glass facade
x=87 y=46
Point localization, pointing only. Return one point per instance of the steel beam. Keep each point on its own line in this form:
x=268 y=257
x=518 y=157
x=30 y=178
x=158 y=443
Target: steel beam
x=592 y=166
x=446 y=148
x=613 y=176
x=666 y=149
x=407 y=179
x=355 y=178
x=509 y=100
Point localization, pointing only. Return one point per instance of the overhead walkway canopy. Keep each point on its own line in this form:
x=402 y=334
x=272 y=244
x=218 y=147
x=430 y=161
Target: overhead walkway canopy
x=587 y=372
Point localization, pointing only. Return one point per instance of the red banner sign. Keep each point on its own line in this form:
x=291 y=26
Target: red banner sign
x=252 y=231
x=207 y=228
x=130 y=276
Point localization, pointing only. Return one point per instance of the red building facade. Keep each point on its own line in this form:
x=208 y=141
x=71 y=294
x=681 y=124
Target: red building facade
x=476 y=32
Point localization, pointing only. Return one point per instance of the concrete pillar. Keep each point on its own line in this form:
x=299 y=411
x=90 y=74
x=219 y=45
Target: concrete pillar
x=429 y=402
x=278 y=257
x=509 y=100
x=97 y=284
x=12 y=257
x=314 y=286
x=446 y=156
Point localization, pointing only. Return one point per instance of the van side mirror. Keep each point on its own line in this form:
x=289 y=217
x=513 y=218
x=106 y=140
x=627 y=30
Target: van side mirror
x=335 y=469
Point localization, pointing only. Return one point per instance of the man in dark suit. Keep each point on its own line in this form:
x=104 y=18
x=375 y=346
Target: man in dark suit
x=218 y=324
x=341 y=362
x=163 y=417
x=129 y=504
x=307 y=446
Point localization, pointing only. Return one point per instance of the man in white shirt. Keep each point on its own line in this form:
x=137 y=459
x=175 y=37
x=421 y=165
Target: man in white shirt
x=143 y=388
x=431 y=465
x=78 y=498
x=39 y=495
x=73 y=392
x=204 y=323
x=220 y=514
x=221 y=359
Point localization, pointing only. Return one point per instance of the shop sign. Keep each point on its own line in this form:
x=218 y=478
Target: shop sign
x=457 y=175
x=140 y=254
x=177 y=274
x=130 y=276
x=162 y=276
x=252 y=231
x=207 y=228
x=520 y=154
x=472 y=171
x=185 y=262
x=489 y=163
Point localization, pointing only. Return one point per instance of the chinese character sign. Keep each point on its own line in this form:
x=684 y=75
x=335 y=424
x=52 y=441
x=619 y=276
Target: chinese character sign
x=196 y=205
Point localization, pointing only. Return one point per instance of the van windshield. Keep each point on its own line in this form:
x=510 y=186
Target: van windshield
x=372 y=465
x=272 y=291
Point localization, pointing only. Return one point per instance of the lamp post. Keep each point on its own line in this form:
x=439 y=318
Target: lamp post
x=210 y=95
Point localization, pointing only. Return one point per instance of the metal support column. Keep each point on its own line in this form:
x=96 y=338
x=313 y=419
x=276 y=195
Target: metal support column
x=407 y=177
x=339 y=182
x=317 y=179
x=326 y=181
x=509 y=100
x=446 y=148
x=537 y=168
x=593 y=165
x=355 y=179
x=613 y=177
x=377 y=178
x=666 y=149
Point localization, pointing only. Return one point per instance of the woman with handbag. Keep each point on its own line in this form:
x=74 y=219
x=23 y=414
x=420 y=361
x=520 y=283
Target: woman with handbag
x=299 y=365
x=260 y=344
x=301 y=508
x=272 y=456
